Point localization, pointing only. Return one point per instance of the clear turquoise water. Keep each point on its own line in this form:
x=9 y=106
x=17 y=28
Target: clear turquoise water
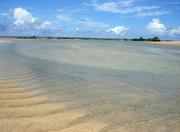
x=115 y=82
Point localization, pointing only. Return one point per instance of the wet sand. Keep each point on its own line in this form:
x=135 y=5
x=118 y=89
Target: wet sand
x=167 y=43
x=23 y=110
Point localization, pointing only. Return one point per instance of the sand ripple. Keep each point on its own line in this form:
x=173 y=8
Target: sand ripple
x=22 y=110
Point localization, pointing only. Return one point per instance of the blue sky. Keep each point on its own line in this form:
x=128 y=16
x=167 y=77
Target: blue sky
x=91 y=18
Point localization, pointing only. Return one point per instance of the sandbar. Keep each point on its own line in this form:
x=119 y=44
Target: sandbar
x=166 y=43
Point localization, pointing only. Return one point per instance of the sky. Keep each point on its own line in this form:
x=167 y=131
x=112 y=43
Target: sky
x=91 y=18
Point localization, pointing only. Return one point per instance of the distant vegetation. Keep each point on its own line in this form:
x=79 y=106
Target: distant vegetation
x=83 y=38
x=148 y=39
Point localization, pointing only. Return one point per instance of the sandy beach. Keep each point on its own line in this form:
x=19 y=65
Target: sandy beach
x=166 y=43
x=23 y=110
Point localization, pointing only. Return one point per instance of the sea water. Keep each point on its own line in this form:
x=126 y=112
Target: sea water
x=117 y=82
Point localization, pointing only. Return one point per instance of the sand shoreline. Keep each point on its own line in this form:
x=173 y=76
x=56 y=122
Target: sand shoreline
x=22 y=111
x=166 y=43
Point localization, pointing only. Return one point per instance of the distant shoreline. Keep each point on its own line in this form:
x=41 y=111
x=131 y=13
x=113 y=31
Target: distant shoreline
x=146 y=41
x=79 y=38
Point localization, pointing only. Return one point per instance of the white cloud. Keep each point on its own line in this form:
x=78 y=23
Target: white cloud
x=25 y=20
x=155 y=26
x=118 y=30
x=112 y=6
x=64 y=17
x=88 y=23
x=127 y=2
x=175 y=32
x=153 y=13
x=115 y=7
x=127 y=7
x=107 y=6
x=22 y=17
x=44 y=25
x=77 y=29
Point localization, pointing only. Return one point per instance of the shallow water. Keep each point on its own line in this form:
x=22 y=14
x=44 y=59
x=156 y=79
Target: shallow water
x=128 y=85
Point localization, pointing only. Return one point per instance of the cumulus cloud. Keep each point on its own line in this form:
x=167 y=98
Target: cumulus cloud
x=22 y=17
x=118 y=30
x=25 y=20
x=175 y=32
x=155 y=26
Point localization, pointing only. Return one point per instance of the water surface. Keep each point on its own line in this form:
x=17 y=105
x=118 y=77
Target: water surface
x=128 y=85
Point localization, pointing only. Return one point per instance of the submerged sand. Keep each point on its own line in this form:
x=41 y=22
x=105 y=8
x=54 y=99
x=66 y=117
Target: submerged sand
x=5 y=39
x=26 y=111
x=36 y=96
x=22 y=110
x=2 y=41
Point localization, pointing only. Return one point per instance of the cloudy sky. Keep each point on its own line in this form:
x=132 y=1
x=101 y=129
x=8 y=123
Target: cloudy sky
x=91 y=18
